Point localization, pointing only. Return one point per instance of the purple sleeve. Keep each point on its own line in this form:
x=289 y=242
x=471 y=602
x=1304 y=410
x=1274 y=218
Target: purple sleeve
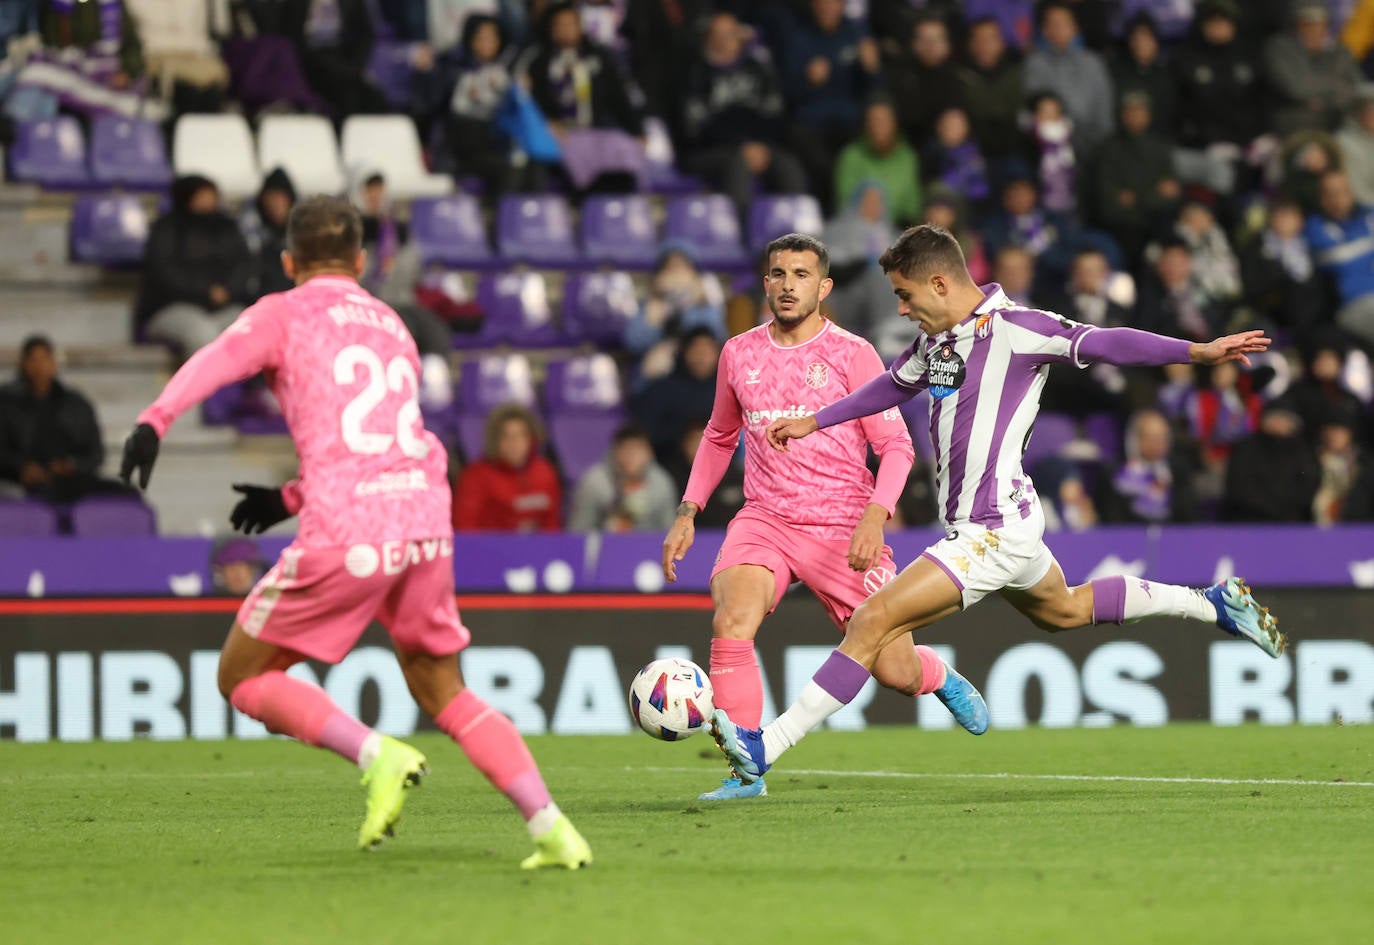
x=1130 y=347
x=874 y=397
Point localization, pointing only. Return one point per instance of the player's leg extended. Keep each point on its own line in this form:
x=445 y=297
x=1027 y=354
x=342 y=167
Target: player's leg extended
x=922 y=594
x=1052 y=605
x=743 y=595
x=252 y=676
x=495 y=748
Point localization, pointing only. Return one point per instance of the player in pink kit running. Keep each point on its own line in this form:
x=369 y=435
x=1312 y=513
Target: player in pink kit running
x=374 y=542
x=814 y=514
x=984 y=359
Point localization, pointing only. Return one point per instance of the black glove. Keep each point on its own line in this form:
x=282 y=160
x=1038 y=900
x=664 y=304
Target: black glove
x=260 y=508
x=140 y=452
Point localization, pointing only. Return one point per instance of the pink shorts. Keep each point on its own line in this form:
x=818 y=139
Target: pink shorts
x=755 y=537
x=318 y=601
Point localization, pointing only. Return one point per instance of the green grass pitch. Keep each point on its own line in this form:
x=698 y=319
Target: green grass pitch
x=882 y=836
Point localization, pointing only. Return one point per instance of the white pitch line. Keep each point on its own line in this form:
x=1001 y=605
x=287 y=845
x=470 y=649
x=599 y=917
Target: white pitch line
x=1009 y=776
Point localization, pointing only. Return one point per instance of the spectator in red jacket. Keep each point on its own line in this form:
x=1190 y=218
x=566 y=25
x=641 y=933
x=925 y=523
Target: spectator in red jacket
x=513 y=488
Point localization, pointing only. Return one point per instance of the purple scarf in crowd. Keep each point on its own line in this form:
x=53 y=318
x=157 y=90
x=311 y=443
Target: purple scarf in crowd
x=965 y=172
x=1147 y=486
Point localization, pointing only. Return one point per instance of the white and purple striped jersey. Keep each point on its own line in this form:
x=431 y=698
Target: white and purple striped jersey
x=985 y=376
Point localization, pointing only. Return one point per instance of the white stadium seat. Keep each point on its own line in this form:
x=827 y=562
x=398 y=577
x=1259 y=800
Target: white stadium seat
x=306 y=148
x=219 y=147
x=390 y=146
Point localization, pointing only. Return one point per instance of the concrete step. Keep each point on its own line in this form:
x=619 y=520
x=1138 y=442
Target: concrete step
x=86 y=319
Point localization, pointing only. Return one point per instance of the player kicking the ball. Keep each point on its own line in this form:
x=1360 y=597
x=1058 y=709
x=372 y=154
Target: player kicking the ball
x=814 y=514
x=375 y=539
x=984 y=359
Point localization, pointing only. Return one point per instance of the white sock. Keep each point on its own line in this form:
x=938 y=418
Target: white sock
x=372 y=746
x=812 y=707
x=1151 y=599
x=543 y=820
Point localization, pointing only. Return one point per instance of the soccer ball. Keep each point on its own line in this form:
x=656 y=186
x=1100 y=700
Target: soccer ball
x=671 y=699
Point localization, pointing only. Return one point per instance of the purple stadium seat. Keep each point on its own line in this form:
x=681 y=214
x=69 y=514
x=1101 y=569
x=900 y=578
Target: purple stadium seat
x=129 y=152
x=586 y=384
x=1104 y=429
x=708 y=223
x=516 y=309
x=449 y=230
x=485 y=383
x=1051 y=433
x=596 y=307
x=112 y=516
x=389 y=67
x=772 y=216
x=536 y=229
x=27 y=518
x=109 y=229
x=581 y=440
x=619 y=230
x=50 y=152
x=664 y=177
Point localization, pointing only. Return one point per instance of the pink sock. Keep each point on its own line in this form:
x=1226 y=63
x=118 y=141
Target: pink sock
x=736 y=681
x=932 y=670
x=492 y=744
x=290 y=706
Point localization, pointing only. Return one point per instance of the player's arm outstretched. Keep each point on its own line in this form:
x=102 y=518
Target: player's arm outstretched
x=882 y=393
x=713 y=458
x=886 y=432
x=1131 y=347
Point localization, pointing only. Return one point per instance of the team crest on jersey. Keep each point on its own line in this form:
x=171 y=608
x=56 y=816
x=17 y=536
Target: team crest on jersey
x=946 y=371
x=817 y=375
x=983 y=327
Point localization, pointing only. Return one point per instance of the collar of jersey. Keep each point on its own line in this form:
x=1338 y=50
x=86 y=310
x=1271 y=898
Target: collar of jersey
x=774 y=342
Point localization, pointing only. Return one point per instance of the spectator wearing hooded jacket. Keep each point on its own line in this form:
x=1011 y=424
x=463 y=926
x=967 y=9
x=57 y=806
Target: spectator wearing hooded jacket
x=264 y=229
x=512 y=488
x=197 y=270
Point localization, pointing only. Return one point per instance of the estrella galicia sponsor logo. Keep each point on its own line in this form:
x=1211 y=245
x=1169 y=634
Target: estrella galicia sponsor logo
x=946 y=371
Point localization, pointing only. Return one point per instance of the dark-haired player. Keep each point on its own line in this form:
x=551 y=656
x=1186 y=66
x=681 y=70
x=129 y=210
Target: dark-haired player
x=374 y=542
x=814 y=515
x=984 y=359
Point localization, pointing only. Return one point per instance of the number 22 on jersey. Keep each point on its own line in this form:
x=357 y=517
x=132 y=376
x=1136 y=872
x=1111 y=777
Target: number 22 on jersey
x=381 y=378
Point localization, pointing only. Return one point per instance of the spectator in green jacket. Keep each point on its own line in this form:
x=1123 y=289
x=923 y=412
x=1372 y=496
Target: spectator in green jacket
x=881 y=155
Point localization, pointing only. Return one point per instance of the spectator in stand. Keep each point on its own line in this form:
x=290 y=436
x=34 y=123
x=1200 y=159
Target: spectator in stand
x=661 y=35
x=829 y=65
x=1154 y=485
x=1273 y=475
x=1216 y=271
x=681 y=299
x=881 y=155
x=1222 y=413
x=1051 y=133
x=445 y=22
x=335 y=40
x=1313 y=75
x=1221 y=109
x=1088 y=297
x=862 y=297
x=1281 y=283
x=733 y=122
x=1063 y=65
x=512 y=488
x=1138 y=65
x=665 y=406
x=1305 y=158
x=628 y=491
x=1173 y=396
x=1014 y=270
x=179 y=53
x=953 y=161
x=947 y=210
x=1320 y=396
x=1168 y=18
x=1356 y=143
x=1170 y=301
x=924 y=78
x=236 y=564
x=1345 y=486
x=263 y=224
x=1342 y=241
x=1014 y=19
x=1023 y=222
x=992 y=91
x=1135 y=187
x=197 y=270
x=50 y=445
x=728 y=497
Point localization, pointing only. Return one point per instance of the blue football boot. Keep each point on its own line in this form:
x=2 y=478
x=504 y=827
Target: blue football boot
x=964 y=702
x=742 y=746
x=733 y=789
x=1239 y=614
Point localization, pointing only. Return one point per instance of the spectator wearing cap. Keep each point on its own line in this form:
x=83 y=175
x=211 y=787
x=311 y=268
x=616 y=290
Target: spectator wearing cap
x=924 y=78
x=1356 y=143
x=1220 y=106
x=881 y=155
x=1281 y=283
x=627 y=491
x=992 y=90
x=1138 y=64
x=1341 y=236
x=1060 y=64
x=50 y=445
x=512 y=487
x=1135 y=185
x=236 y=564
x=1314 y=76
x=1272 y=475
x=732 y=122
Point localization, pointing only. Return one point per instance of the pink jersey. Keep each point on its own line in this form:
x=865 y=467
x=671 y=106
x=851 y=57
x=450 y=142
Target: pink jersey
x=345 y=370
x=822 y=483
